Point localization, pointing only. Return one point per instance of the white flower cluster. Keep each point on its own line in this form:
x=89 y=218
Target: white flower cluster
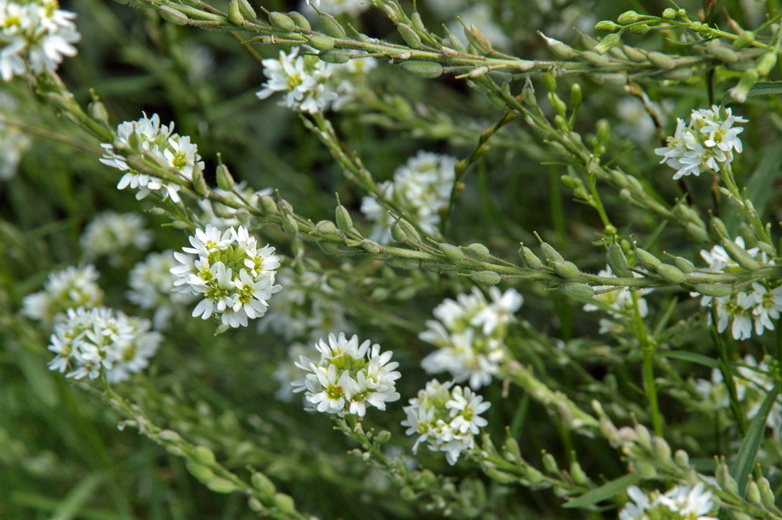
x=470 y=335
x=348 y=377
x=311 y=85
x=34 y=35
x=445 y=417
x=422 y=187
x=753 y=381
x=307 y=310
x=679 y=503
x=67 y=289
x=757 y=307
x=338 y=7
x=102 y=340
x=230 y=272
x=706 y=143
x=621 y=302
x=151 y=288
x=13 y=142
x=157 y=144
x=110 y=234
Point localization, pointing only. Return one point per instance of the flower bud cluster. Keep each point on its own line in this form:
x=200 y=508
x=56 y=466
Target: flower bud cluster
x=446 y=418
x=706 y=143
x=421 y=188
x=470 y=335
x=150 y=141
x=35 y=36
x=348 y=377
x=96 y=341
x=230 y=272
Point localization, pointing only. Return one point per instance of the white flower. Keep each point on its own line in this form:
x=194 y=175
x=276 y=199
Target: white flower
x=421 y=187
x=34 y=36
x=706 y=143
x=234 y=277
x=310 y=84
x=348 y=377
x=151 y=287
x=149 y=140
x=445 y=418
x=67 y=289
x=470 y=335
x=101 y=340
x=678 y=503
x=110 y=234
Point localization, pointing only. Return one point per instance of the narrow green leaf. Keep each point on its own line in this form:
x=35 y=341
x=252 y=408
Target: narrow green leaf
x=607 y=490
x=692 y=357
x=742 y=465
x=70 y=507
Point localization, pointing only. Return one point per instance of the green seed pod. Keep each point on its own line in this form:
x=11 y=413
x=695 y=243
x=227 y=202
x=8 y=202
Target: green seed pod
x=765 y=63
x=284 y=503
x=451 y=252
x=512 y=452
x=289 y=225
x=400 y=262
x=224 y=178
x=485 y=277
x=646 y=259
x=409 y=35
x=618 y=261
x=235 y=13
x=529 y=258
x=577 y=291
x=256 y=505
x=661 y=450
x=418 y=23
x=722 y=52
x=661 y=60
x=334 y=56
x=264 y=485
x=744 y=40
x=383 y=436
x=562 y=50
x=607 y=26
x=176 y=17
x=479 y=251
x=97 y=110
x=499 y=476
x=204 y=455
x=221 y=485
x=550 y=464
x=670 y=273
x=422 y=69
x=479 y=40
x=549 y=81
x=370 y=246
x=752 y=493
x=725 y=480
x=713 y=289
x=578 y=475
x=610 y=78
x=406 y=231
x=343 y=219
x=565 y=269
x=282 y=21
x=698 y=233
x=549 y=253
x=740 y=255
x=767 y=496
x=634 y=53
x=628 y=17
x=596 y=58
x=575 y=94
x=247 y=10
x=328 y=247
x=682 y=459
x=268 y=205
x=198 y=183
x=326 y=227
x=301 y=20
x=200 y=472
x=332 y=26
x=683 y=264
x=557 y=104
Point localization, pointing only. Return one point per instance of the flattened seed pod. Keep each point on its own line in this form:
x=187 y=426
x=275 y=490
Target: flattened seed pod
x=422 y=69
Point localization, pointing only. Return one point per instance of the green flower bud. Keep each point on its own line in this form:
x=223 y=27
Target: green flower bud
x=422 y=69
x=486 y=277
x=409 y=35
x=628 y=17
x=575 y=94
x=669 y=13
x=529 y=258
x=607 y=26
x=332 y=26
x=607 y=43
x=618 y=261
x=301 y=20
x=567 y=270
x=577 y=291
x=451 y=252
x=744 y=40
x=234 y=13
x=640 y=28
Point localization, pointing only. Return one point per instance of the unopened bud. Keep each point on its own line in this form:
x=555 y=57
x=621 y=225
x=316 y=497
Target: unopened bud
x=747 y=80
x=97 y=111
x=767 y=496
x=200 y=472
x=607 y=26
x=669 y=13
x=628 y=17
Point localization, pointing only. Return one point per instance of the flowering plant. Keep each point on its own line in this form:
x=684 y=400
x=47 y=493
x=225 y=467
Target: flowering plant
x=572 y=223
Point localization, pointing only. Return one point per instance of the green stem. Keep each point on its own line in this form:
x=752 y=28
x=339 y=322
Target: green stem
x=649 y=349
